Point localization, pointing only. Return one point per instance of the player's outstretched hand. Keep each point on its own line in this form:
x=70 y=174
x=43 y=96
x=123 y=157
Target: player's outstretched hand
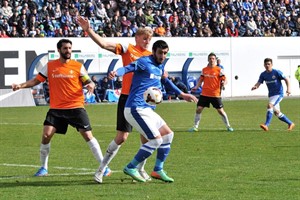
x=83 y=22
x=112 y=75
x=15 y=86
x=90 y=87
x=189 y=97
x=253 y=88
x=288 y=92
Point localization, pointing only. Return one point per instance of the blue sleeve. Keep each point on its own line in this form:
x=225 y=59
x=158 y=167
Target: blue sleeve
x=168 y=83
x=124 y=70
x=261 y=79
x=281 y=75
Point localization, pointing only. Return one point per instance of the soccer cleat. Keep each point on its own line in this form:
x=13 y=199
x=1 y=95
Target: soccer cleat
x=193 y=129
x=161 y=175
x=230 y=129
x=41 y=172
x=107 y=172
x=291 y=126
x=98 y=177
x=144 y=174
x=134 y=174
x=264 y=127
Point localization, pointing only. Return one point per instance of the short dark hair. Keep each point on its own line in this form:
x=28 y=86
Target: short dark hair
x=160 y=44
x=268 y=60
x=212 y=54
x=60 y=42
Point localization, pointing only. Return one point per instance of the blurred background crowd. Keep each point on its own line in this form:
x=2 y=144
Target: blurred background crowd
x=167 y=18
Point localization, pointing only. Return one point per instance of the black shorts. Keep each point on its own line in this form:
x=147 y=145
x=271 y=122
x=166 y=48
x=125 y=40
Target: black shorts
x=61 y=118
x=122 y=124
x=205 y=101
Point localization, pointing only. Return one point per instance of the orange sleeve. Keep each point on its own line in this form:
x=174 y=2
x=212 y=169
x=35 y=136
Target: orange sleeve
x=40 y=78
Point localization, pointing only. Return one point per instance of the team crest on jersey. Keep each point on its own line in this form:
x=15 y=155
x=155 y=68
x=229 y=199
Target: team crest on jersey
x=273 y=77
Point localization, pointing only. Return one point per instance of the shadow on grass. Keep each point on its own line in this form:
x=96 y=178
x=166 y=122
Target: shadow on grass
x=28 y=181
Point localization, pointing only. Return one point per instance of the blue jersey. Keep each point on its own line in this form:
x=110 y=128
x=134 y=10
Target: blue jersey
x=273 y=81
x=147 y=73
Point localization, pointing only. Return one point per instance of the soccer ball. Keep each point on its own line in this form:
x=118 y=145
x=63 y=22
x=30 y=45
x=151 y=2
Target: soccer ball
x=153 y=96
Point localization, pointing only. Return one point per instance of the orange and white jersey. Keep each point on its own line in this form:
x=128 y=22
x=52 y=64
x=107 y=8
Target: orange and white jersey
x=65 y=84
x=129 y=54
x=212 y=77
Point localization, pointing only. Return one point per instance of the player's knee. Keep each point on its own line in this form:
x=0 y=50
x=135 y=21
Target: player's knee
x=199 y=110
x=121 y=138
x=270 y=106
x=168 y=138
x=278 y=113
x=154 y=143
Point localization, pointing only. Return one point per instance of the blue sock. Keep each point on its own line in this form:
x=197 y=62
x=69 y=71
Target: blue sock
x=162 y=154
x=284 y=118
x=139 y=157
x=269 y=117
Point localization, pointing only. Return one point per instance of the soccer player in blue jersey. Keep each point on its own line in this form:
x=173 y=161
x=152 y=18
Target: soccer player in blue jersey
x=273 y=78
x=148 y=72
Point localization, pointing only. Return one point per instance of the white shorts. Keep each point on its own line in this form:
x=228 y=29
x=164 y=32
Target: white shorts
x=275 y=101
x=145 y=121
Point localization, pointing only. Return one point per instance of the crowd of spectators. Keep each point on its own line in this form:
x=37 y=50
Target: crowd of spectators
x=167 y=18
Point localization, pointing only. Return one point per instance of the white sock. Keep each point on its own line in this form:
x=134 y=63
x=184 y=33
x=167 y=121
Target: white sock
x=141 y=165
x=197 y=119
x=225 y=120
x=95 y=148
x=44 y=154
x=111 y=151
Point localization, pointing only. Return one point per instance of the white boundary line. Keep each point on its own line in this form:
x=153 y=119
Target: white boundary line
x=86 y=171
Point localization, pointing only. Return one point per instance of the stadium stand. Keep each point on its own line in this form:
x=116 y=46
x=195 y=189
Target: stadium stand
x=184 y=18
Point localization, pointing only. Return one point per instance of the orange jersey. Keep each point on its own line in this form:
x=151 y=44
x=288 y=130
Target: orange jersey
x=129 y=54
x=65 y=85
x=212 y=77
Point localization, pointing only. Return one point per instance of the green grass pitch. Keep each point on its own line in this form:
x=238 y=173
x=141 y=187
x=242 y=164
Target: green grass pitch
x=211 y=164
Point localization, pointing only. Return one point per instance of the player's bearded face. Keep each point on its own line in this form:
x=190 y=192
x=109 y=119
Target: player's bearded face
x=160 y=55
x=212 y=60
x=65 y=51
x=66 y=55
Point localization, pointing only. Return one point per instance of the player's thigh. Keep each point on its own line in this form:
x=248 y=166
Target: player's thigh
x=79 y=119
x=275 y=101
x=203 y=101
x=122 y=123
x=145 y=121
x=54 y=119
x=217 y=102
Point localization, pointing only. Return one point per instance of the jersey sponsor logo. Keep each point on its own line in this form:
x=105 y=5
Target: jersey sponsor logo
x=273 y=81
x=153 y=76
x=209 y=75
x=62 y=76
x=70 y=75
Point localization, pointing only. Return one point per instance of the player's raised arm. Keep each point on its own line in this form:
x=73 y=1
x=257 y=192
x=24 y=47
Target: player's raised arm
x=85 y=25
x=173 y=87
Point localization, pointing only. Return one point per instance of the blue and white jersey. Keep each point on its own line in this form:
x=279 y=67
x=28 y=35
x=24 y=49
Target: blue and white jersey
x=273 y=81
x=147 y=73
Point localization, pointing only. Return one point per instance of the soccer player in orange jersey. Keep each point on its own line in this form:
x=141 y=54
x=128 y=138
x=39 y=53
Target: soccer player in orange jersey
x=129 y=54
x=66 y=78
x=213 y=79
